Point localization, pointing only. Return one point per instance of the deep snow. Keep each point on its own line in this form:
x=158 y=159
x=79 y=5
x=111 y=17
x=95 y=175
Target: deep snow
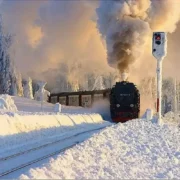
x=136 y=149
x=30 y=127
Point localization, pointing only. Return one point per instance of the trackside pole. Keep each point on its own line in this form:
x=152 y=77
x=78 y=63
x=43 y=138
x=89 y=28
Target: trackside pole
x=159 y=51
x=175 y=96
x=159 y=89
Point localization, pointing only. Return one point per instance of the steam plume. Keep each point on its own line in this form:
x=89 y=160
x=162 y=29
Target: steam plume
x=127 y=25
x=52 y=34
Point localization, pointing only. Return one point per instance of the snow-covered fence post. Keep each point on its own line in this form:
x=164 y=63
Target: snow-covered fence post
x=149 y=114
x=57 y=108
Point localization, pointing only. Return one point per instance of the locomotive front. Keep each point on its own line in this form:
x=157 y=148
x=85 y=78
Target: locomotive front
x=124 y=102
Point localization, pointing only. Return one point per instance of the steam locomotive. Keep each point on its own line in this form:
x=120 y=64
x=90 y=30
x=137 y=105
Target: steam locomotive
x=124 y=102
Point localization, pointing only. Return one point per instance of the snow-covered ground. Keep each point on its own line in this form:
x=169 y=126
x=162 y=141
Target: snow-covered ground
x=26 y=127
x=137 y=149
x=41 y=152
x=30 y=127
x=21 y=132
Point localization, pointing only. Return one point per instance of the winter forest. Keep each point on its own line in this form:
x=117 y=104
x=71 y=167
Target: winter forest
x=15 y=83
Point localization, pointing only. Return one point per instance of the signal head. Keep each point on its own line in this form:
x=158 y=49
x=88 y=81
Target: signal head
x=159 y=45
x=157 y=38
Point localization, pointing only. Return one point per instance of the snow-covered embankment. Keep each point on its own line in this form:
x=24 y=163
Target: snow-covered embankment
x=17 y=132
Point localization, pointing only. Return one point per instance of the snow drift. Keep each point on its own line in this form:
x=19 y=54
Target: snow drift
x=29 y=130
x=24 y=124
x=134 y=150
x=7 y=103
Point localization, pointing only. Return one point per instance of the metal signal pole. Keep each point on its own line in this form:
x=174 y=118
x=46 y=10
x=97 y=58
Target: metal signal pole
x=175 y=96
x=159 y=51
x=159 y=88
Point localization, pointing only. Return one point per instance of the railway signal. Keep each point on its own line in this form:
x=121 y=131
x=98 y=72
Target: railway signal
x=159 y=51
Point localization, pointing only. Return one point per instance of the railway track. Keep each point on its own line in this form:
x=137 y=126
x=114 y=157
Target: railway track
x=20 y=160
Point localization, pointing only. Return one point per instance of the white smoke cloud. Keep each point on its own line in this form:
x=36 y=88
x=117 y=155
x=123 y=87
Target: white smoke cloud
x=50 y=33
x=171 y=63
x=127 y=26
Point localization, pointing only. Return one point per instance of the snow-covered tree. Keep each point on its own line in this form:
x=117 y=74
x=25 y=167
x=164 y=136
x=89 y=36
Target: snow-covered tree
x=5 y=78
x=35 y=86
x=19 y=85
x=111 y=78
x=168 y=95
x=8 y=79
x=75 y=86
x=13 y=79
x=90 y=81
x=41 y=94
x=99 y=84
x=27 y=88
x=147 y=88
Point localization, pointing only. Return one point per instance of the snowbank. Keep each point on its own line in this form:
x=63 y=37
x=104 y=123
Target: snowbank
x=17 y=131
x=134 y=150
x=32 y=126
x=19 y=124
x=7 y=103
x=31 y=107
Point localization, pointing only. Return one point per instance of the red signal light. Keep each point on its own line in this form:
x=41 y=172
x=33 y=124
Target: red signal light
x=157 y=37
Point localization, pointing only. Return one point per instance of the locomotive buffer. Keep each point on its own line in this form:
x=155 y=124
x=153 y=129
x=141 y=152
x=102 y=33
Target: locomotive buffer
x=159 y=51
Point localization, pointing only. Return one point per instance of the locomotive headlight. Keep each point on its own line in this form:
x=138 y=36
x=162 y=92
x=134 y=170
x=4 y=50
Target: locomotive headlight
x=117 y=105
x=132 y=105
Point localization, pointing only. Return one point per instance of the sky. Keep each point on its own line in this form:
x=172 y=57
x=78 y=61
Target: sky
x=51 y=34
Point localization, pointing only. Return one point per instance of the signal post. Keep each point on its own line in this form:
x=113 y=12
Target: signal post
x=159 y=51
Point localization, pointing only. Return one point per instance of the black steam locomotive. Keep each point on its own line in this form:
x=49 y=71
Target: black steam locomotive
x=124 y=102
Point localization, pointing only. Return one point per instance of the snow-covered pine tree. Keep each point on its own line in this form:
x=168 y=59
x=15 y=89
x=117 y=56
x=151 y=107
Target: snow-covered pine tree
x=5 y=80
x=91 y=81
x=111 y=78
x=8 y=79
x=27 y=88
x=75 y=86
x=35 y=86
x=147 y=88
x=19 y=85
x=13 y=79
x=168 y=95
x=99 y=84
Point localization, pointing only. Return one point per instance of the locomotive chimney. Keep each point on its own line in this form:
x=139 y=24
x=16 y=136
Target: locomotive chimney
x=124 y=76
